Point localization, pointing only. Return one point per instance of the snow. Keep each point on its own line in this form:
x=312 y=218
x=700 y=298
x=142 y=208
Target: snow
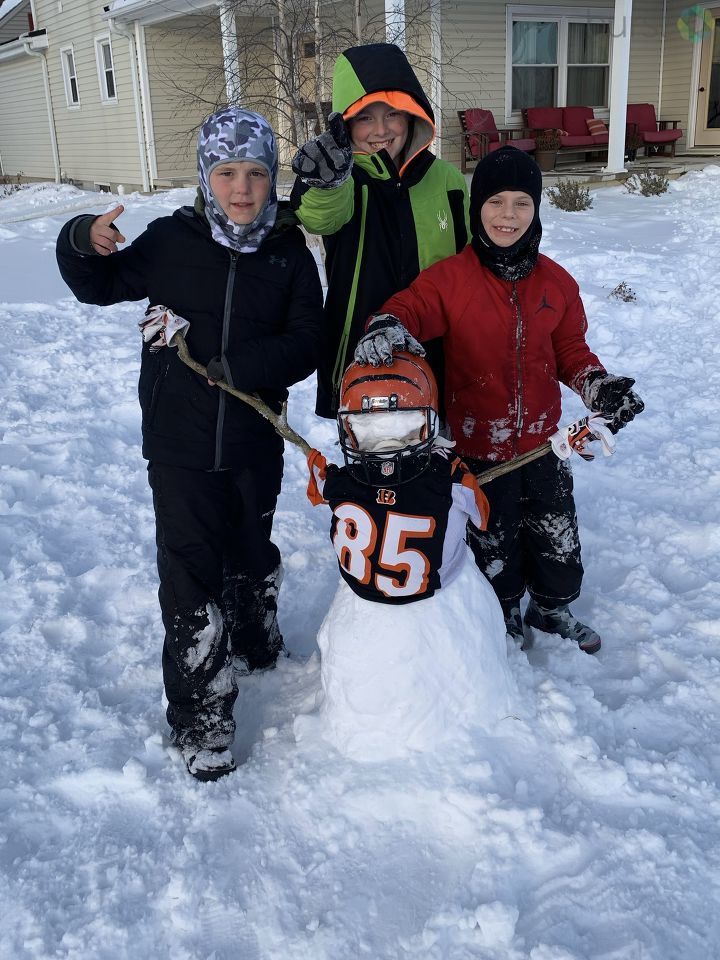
x=582 y=825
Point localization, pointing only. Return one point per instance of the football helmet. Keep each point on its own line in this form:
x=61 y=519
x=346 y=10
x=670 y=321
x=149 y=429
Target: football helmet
x=388 y=420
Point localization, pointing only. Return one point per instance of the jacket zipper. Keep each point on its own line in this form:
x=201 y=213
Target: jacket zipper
x=223 y=348
x=518 y=361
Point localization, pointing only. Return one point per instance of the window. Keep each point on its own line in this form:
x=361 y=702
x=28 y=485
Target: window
x=106 y=69
x=72 y=95
x=558 y=57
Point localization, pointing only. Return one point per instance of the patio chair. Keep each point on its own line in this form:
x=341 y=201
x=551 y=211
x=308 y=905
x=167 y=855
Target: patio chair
x=655 y=135
x=481 y=136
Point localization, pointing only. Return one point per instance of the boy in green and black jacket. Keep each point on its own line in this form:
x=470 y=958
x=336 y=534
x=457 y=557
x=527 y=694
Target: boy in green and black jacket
x=385 y=206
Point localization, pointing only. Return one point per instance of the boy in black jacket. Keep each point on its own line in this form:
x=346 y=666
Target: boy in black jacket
x=236 y=267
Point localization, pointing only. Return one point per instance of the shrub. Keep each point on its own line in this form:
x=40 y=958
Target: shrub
x=569 y=195
x=649 y=183
x=623 y=291
x=9 y=184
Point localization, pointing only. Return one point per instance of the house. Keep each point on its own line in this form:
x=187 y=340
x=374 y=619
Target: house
x=110 y=92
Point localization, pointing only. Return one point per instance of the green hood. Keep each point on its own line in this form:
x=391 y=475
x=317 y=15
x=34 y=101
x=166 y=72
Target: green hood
x=377 y=67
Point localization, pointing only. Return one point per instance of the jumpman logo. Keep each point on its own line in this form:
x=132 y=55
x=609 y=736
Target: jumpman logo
x=544 y=305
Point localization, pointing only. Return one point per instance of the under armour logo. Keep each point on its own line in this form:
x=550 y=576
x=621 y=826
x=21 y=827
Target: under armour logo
x=544 y=305
x=282 y=261
x=386 y=496
x=442 y=220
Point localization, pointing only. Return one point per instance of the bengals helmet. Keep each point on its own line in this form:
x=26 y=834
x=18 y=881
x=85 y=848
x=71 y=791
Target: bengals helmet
x=388 y=420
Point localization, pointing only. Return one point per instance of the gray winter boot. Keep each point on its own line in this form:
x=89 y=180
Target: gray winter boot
x=514 y=626
x=560 y=620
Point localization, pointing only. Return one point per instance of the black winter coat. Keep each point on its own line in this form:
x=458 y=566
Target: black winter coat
x=260 y=311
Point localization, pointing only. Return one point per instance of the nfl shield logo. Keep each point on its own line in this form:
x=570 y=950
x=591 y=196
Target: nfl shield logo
x=387 y=468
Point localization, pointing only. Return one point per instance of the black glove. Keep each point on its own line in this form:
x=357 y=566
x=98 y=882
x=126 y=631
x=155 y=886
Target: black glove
x=327 y=160
x=216 y=370
x=385 y=336
x=612 y=397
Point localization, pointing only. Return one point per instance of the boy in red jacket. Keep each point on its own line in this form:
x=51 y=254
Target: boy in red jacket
x=513 y=326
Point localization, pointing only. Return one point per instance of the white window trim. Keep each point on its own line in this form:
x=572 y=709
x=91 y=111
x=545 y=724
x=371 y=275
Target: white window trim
x=99 y=41
x=71 y=104
x=562 y=16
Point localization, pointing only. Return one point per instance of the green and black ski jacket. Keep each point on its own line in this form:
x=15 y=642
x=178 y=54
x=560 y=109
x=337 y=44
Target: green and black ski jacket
x=382 y=226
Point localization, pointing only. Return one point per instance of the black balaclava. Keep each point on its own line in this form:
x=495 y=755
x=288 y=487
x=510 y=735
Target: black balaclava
x=506 y=169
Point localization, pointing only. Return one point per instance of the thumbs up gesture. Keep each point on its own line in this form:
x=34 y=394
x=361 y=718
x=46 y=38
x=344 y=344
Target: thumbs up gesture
x=104 y=235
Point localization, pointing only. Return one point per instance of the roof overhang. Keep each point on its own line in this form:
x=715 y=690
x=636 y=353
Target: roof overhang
x=23 y=45
x=154 y=11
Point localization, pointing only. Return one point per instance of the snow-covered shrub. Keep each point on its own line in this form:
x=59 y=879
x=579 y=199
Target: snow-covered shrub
x=10 y=184
x=569 y=195
x=623 y=291
x=648 y=183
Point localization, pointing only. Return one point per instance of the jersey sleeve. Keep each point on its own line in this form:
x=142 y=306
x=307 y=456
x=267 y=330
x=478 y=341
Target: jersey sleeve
x=468 y=496
x=317 y=465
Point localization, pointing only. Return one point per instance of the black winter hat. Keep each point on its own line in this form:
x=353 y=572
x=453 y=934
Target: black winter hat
x=505 y=169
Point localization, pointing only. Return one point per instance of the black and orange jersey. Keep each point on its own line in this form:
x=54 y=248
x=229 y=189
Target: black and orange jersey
x=399 y=544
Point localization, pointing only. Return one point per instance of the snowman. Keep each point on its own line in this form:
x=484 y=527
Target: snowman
x=413 y=649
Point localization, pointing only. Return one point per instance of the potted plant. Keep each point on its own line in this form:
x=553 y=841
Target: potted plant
x=547 y=143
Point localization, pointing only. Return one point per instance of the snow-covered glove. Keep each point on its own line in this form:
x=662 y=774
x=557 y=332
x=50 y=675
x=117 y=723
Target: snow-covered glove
x=326 y=161
x=160 y=325
x=612 y=397
x=385 y=336
x=576 y=436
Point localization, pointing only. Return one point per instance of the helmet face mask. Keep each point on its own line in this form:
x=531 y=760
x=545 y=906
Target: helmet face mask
x=388 y=420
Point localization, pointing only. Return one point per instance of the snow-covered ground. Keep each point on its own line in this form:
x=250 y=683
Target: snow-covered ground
x=586 y=827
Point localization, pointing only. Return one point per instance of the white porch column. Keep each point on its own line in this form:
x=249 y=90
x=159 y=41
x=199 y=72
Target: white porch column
x=619 y=76
x=228 y=32
x=395 y=22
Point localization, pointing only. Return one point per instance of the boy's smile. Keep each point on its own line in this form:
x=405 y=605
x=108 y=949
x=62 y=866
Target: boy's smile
x=506 y=216
x=241 y=187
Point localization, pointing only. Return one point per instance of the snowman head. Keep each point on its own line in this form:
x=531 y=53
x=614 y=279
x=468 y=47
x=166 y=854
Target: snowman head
x=388 y=420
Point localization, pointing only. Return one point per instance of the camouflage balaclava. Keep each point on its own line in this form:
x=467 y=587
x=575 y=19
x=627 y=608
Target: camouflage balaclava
x=236 y=134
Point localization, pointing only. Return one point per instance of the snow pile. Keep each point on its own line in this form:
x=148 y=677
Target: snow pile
x=408 y=678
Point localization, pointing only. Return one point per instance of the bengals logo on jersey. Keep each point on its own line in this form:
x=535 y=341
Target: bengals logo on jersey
x=386 y=497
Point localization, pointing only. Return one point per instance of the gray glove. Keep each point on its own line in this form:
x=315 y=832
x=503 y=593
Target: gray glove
x=385 y=336
x=327 y=160
x=612 y=397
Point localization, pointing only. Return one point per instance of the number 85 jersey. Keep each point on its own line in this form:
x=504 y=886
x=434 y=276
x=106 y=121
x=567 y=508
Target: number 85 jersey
x=401 y=544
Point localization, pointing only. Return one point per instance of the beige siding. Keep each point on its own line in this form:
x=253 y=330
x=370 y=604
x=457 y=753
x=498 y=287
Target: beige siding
x=678 y=80
x=15 y=23
x=24 y=129
x=184 y=60
x=97 y=141
x=645 y=48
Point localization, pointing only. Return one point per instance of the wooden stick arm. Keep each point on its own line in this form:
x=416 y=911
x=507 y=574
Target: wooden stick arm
x=502 y=468
x=279 y=421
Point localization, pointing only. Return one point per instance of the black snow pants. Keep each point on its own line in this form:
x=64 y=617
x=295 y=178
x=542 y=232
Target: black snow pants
x=532 y=538
x=219 y=579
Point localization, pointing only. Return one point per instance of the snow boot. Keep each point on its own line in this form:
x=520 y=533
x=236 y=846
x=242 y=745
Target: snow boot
x=513 y=623
x=514 y=627
x=208 y=764
x=561 y=621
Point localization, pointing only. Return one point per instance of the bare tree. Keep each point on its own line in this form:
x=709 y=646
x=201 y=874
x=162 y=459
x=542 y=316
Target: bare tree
x=285 y=53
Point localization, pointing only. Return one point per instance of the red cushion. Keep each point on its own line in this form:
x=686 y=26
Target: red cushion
x=570 y=141
x=544 y=118
x=662 y=136
x=601 y=138
x=481 y=121
x=642 y=114
x=575 y=120
x=596 y=127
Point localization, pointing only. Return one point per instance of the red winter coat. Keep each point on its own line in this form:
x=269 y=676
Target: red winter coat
x=506 y=347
